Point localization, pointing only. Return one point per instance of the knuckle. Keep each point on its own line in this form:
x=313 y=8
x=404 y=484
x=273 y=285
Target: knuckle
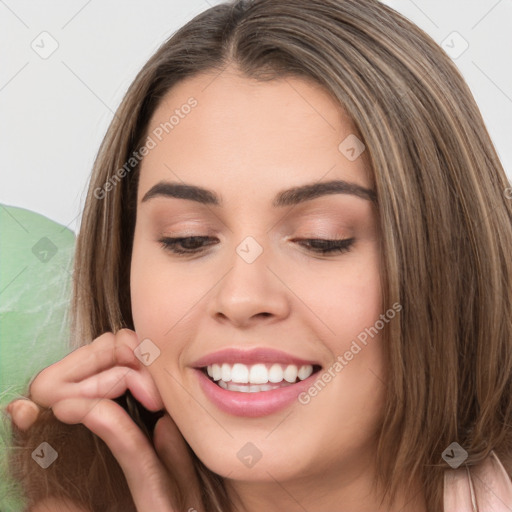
x=99 y=356
x=125 y=331
x=105 y=339
x=126 y=337
x=64 y=411
x=102 y=347
x=126 y=356
x=40 y=388
x=126 y=342
x=45 y=386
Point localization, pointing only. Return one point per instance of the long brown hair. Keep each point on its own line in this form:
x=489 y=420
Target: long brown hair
x=445 y=220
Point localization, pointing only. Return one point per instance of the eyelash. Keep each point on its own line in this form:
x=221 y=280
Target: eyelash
x=323 y=246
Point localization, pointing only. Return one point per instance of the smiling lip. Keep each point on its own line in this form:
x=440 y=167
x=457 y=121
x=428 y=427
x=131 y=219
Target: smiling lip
x=251 y=356
x=251 y=404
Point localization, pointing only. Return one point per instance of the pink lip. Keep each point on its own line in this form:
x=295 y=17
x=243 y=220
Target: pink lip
x=250 y=356
x=252 y=405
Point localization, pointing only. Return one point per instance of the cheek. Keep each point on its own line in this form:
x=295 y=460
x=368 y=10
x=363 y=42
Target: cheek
x=153 y=295
x=346 y=298
x=166 y=300
x=144 y=290
x=348 y=302
x=160 y=294
x=361 y=299
x=359 y=326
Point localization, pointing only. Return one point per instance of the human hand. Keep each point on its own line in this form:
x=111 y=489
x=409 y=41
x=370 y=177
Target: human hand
x=80 y=388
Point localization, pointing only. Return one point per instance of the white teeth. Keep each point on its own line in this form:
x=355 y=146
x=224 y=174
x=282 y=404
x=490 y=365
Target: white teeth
x=239 y=373
x=276 y=373
x=258 y=374
x=251 y=388
x=290 y=374
x=225 y=372
x=217 y=373
x=305 y=371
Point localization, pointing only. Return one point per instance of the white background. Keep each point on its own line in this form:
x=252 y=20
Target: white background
x=54 y=112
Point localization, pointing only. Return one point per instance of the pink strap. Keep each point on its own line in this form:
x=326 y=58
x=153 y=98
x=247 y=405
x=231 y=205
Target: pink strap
x=482 y=488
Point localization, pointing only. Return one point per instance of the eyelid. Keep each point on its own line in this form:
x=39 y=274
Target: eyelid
x=318 y=246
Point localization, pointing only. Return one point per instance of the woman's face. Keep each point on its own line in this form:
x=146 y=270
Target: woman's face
x=255 y=282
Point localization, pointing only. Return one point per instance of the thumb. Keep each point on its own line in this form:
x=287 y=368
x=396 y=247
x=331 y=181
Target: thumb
x=174 y=452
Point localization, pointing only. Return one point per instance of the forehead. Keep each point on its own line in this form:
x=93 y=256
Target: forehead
x=226 y=131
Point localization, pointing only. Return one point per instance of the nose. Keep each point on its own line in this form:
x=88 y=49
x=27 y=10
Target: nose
x=251 y=291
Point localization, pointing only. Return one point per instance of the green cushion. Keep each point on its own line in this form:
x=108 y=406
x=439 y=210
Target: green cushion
x=36 y=256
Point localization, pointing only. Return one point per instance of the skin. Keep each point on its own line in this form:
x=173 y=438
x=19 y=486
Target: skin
x=79 y=389
x=246 y=141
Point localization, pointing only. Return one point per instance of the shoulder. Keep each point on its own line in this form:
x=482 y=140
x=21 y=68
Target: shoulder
x=488 y=484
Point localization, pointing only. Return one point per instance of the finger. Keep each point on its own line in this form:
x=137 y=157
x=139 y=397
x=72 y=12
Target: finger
x=104 y=352
x=171 y=447
x=111 y=383
x=173 y=450
x=84 y=362
x=114 y=382
x=24 y=413
x=146 y=476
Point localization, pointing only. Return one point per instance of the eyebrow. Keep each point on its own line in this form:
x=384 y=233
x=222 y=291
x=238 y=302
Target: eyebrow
x=288 y=197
